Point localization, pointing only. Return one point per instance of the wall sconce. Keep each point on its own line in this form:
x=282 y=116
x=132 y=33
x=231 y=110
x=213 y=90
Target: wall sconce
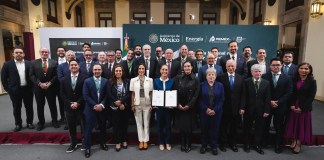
x=266 y=22
x=316 y=9
x=39 y=23
x=191 y=16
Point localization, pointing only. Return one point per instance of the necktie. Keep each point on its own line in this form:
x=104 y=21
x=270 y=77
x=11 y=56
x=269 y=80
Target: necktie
x=286 y=69
x=147 y=62
x=109 y=67
x=88 y=67
x=256 y=85
x=129 y=65
x=169 y=68
x=231 y=81
x=274 y=79
x=45 y=65
x=73 y=82
x=198 y=64
x=210 y=66
x=233 y=58
x=97 y=84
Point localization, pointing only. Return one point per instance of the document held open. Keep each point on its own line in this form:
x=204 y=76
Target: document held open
x=164 y=98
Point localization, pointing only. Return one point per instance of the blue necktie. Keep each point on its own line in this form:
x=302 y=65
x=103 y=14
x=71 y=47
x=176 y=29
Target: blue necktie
x=274 y=80
x=286 y=69
x=231 y=81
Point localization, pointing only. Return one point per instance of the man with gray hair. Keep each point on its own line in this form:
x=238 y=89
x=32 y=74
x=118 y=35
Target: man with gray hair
x=210 y=64
x=149 y=62
x=174 y=66
x=256 y=108
x=102 y=58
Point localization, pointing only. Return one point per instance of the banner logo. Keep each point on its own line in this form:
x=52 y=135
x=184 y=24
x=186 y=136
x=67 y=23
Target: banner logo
x=239 y=39
x=153 y=38
x=194 y=39
x=214 y=39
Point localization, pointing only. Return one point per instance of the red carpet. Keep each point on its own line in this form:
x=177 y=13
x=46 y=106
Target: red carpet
x=63 y=138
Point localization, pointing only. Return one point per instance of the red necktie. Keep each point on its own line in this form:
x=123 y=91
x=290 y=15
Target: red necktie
x=45 y=66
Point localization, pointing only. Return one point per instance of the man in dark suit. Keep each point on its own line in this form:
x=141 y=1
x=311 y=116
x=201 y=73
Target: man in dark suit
x=81 y=57
x=260 y=59
x=118 y=58
x=149 y=61
x=256 y=108
x=108 y=67
x=241 y=68
x=15 y=80
x=128 y=64
x=71 y=92
x=281 y=91
x=173 y=65
x=86 y=66
x=199 y=61
x=288 y=68
x=210 y=64
x=183 y=57
x=234 y=100
x=63 y=69
x=95 y=96
x=214 y=51
x=61 y=59
x=159 y=53
x=43 y=74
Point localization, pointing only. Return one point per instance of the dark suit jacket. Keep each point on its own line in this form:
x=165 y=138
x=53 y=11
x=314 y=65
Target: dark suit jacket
x=305 y=95
x=188 y=59
x=282 y=92
x=63 y=70
x=292 y=70
x=90 y=94
x=195 y=66
x=218 y=97
x=175 y=68
x=69 y=95
x=37 y=72
x=251 y=63
x=153 y=64
x=10 y=77
x=125 y=99
x=129 y=75
x=241 y=68
x=202 y=72
x=234 y=98
x=106 y=73
x=83 y=68
x=257 y=103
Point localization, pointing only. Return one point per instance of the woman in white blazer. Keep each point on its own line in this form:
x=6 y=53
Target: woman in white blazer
x=141 y=88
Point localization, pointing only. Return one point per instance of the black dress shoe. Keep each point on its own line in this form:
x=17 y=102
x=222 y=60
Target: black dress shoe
x=259 y=150
x=222 y=148
x=55 y=124
x=188 y=148
x=278 y=149
x=214 y=151
x=247 y=148
x=87 y=153
x=234 y=148
x=71 y=148
x=40 y=127
x=104 y=147
x=183 y=148
x=124 y=146
x=17 y=128
x=30 y=126
x=202 y=149
x=66 y=127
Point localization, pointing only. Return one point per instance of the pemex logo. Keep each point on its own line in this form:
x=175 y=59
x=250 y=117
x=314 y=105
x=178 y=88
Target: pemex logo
x=153 y=38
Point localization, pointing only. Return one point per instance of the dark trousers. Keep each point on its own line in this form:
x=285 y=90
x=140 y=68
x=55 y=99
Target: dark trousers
x=120 y=125
x=210 y=128
x=61 y=103
x=91 y=117
x=24 y=94
x=228 y=128
x=73 y=118
x=40 y=96
x=258 y=128
x=163 y=121
x=278 y=122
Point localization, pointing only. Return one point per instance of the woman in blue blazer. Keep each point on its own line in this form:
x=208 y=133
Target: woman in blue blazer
x=211 y=104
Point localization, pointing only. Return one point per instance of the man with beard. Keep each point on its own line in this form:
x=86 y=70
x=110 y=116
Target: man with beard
x=138 y=51
x=288 y=67
x=128 y=64
x=159 y=53
x=118 y=53
x=60 y=60
x=80 y=58
x=15 y=80
x=260 y=59
x=241 y=68
x=247 y=52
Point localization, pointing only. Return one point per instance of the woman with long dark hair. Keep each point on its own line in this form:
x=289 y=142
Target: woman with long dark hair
x=299 y=124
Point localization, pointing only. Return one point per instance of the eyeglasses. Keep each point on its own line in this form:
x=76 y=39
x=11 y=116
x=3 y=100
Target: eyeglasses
x=276 y=65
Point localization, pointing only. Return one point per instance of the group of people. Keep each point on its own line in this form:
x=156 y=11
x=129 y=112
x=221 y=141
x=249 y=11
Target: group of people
x=218 y=93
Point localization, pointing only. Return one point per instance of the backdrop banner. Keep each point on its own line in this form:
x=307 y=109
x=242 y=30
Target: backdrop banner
x=203 y=37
